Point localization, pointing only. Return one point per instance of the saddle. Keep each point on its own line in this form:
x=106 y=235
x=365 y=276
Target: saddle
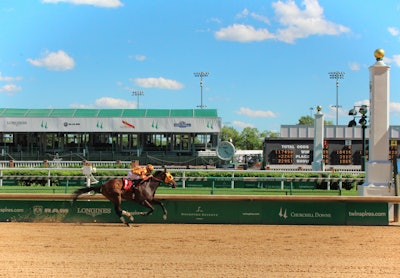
x=129 y=184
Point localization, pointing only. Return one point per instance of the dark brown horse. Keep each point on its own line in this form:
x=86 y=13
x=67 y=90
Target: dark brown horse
x=114 y=191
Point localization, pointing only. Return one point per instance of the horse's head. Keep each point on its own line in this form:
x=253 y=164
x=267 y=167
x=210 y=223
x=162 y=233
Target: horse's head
x=169 y=179
x=166 y=177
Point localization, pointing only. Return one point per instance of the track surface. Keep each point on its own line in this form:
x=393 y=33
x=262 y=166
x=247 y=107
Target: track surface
x=154 y=250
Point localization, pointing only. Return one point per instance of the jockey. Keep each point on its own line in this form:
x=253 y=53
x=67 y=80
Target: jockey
x=138 y=174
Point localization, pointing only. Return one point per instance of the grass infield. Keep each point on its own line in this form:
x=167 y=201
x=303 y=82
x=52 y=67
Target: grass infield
x=196 y=190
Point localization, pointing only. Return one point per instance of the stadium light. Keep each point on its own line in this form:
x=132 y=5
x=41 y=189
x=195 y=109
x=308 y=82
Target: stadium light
x=352 y=123
x=337 y=75
x=138 y=94
x=201 y=74
x=363 y=109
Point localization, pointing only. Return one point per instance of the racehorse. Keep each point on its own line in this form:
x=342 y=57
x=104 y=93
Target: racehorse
x=115 y=191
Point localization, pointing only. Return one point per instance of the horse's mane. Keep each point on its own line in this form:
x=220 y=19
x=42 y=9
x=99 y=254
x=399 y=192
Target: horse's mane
x=158 y=172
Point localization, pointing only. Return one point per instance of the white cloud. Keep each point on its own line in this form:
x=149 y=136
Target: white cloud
x=107 y=102
x=159 y=82
x=98 y=3
x=362 y=102
x=56 y=61
x=394 y=31
x=242 y=124
x=215 y=19
x=140 y=58
x=295 y=23
x=258 y=17
x=9 y=78
x=304 y=23
x=243 y=33
x=394 y=107
x=256 y=113
x=10 y=88
x=354 y=66
x=243 y=14
x=396 y=60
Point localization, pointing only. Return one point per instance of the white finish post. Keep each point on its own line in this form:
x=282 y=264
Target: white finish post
x=378 y=170
x=318 y=158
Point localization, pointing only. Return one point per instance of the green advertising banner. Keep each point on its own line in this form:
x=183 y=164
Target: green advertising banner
x=367 y=214
x=280 y=212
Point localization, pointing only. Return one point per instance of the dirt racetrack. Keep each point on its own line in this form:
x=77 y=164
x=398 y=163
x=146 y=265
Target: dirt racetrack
x=154 y=250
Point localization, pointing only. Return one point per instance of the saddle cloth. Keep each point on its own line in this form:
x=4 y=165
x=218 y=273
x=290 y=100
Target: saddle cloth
x=127 y=183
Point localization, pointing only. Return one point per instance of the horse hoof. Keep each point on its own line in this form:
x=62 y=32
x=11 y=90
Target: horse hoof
x=164 y=217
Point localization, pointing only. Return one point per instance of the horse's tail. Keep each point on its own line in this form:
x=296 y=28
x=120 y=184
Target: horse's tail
x=77 y=193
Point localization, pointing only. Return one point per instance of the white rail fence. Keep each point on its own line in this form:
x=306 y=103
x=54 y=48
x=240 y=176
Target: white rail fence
x=59 y=163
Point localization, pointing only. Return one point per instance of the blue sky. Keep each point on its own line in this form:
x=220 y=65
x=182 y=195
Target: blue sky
x=268 y=61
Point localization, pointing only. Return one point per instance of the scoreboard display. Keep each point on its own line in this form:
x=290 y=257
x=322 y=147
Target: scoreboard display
x=393 y=151
x=282 y=156
x=291 y=154
x=335 y=152
x=343 y=156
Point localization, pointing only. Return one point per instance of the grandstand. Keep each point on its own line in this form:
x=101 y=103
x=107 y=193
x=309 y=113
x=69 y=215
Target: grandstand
x=158 y=135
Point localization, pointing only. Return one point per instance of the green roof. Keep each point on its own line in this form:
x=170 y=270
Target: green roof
x=108 y=113
x=157 y=113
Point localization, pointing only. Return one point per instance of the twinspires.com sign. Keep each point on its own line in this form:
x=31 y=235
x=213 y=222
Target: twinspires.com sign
x=206 y=212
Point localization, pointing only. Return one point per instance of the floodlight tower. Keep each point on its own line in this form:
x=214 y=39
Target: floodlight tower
x=201 y=74
x=337 y=75
x=138 y=94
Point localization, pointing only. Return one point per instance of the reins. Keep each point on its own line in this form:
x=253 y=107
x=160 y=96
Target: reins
x=157 y=179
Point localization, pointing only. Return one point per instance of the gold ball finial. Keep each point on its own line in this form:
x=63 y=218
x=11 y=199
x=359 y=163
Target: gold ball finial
x=379 y=54
x=319 y=108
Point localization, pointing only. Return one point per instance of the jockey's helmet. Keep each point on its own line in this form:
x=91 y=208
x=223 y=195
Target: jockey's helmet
x=149 y=168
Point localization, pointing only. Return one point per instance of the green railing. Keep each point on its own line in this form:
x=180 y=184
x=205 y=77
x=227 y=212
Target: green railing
x=191 y=178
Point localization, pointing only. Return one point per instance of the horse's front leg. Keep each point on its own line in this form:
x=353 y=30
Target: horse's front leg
x=120 y=214
x=162 y=206
x=128 y=214
x=148 y=205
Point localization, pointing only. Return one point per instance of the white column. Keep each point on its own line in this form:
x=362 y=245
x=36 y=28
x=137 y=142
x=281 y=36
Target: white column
x=378 y=170
x=318 y=157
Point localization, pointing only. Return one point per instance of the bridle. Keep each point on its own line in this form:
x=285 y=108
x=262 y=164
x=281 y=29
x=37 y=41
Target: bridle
x=168 y=178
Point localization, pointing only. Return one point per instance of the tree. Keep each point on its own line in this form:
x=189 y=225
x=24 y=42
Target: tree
x=308 y=120
x=250 y=139
x=229 y=134
x=269 y=134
